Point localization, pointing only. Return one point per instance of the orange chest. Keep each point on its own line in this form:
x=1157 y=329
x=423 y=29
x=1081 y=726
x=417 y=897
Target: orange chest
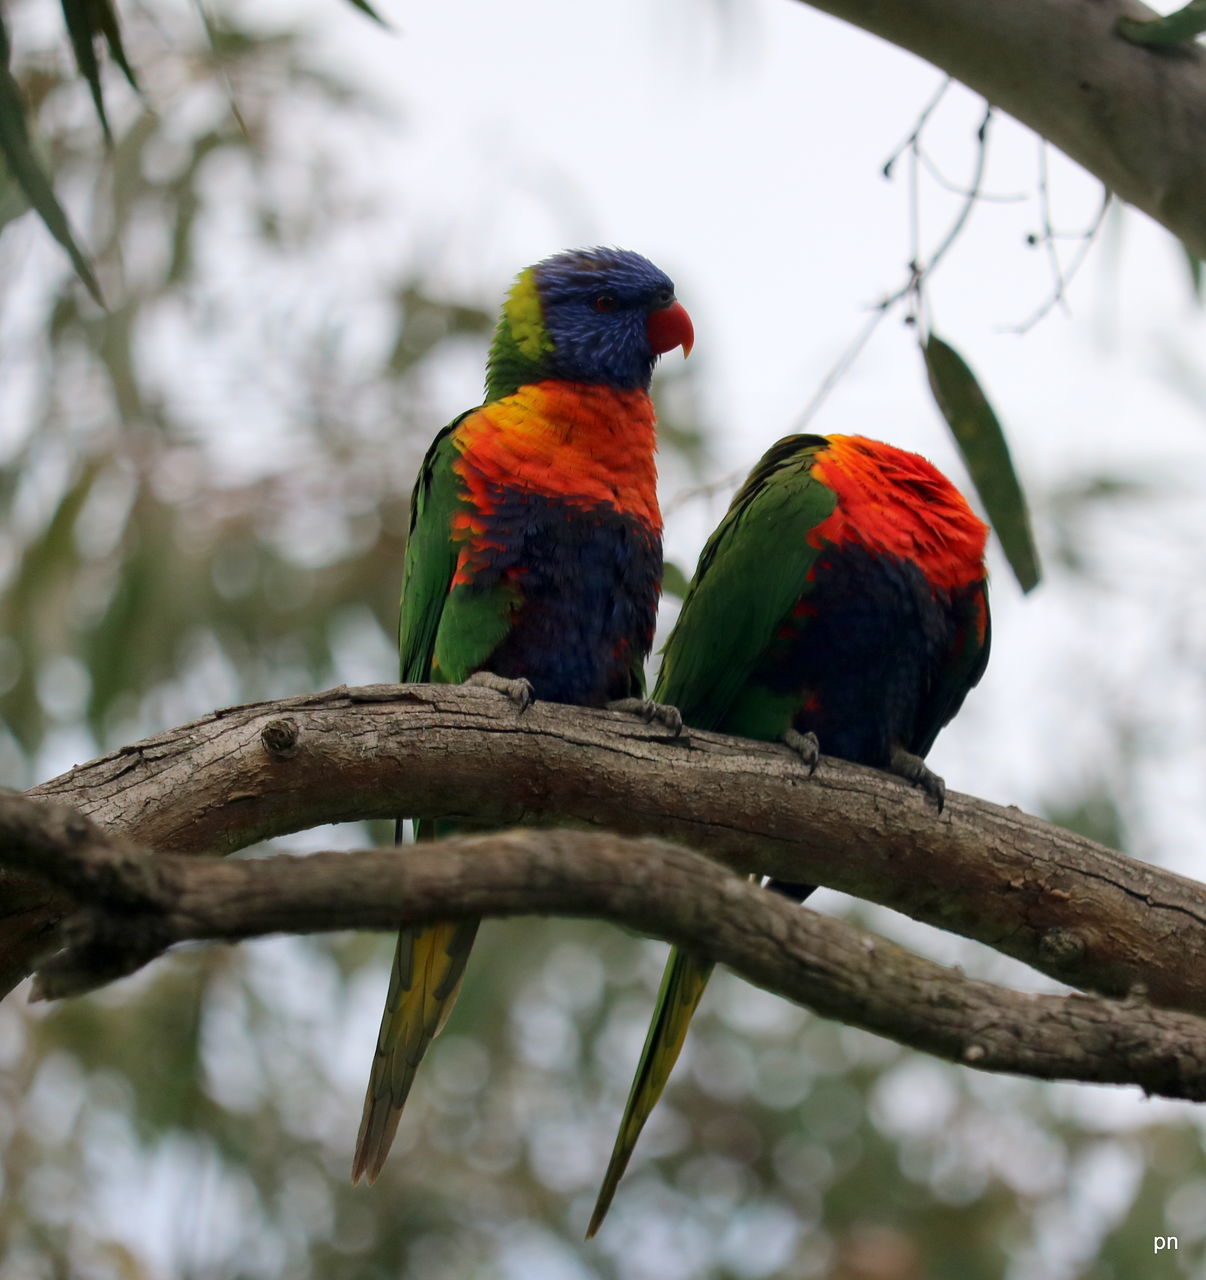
x=583 y=446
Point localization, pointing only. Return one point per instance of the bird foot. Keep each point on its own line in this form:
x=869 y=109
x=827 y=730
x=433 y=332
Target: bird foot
x=518 y=691
x=806 y=746
x=649 y=711
x=913 y=769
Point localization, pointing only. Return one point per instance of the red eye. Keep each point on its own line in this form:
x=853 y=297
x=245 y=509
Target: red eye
x=606 y=302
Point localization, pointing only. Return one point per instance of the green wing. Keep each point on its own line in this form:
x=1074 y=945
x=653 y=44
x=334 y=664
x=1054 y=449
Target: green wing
x=430 y=556
x=429 y=962
x=445 y=632
x=731 y=612
x=753 y=570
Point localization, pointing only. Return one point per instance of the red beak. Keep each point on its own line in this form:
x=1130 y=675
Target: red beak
x=670 y=327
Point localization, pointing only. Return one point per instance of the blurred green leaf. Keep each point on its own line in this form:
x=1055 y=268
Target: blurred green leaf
x=674 y=580
x=24 y=167
x=982 y=443
x=367 y=9
x=1194 y=263
x=13 y=200
x=1093 y=814
x=87 y=22
x=1174 y=28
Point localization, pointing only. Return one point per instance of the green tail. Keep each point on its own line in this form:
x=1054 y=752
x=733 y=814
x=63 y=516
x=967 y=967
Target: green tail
x=683 y=983
x=424 y=982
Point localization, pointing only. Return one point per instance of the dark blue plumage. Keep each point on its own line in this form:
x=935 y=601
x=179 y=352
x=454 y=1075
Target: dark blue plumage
x=866 y=642
x=589 y=579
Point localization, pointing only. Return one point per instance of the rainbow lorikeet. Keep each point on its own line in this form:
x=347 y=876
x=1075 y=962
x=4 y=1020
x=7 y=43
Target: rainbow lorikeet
x=534 y=560
x=841 y=606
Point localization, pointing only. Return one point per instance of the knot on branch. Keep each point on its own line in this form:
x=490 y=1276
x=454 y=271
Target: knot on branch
x=1062 y=948
x=280 y=738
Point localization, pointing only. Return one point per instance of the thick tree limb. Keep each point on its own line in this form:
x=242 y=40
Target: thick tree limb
x=1067 y=906
x=133 y=906
x=1134 y=117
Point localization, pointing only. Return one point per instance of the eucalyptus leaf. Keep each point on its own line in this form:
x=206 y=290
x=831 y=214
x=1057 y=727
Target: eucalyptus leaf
x=13 y=200
x=1194 y=263
x=79 y=16
x=674 y=580
x=1175 y=28
x=28 y=173
x=87 y=22
x=368 y=10
x=981 y=441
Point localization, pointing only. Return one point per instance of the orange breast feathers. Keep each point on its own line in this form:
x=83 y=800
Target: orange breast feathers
x=588 y=446
x=894 y=502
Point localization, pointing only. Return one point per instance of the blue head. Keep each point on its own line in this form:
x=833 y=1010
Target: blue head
x=591 y=315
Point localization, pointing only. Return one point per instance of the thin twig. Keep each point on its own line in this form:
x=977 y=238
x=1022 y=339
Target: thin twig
x=1088 y=238
x=911 y=141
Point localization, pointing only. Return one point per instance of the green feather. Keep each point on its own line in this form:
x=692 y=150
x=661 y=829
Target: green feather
x=742 y=590
x=445 y=633
x=683 y=983
x=521 y=341
x=430 y=557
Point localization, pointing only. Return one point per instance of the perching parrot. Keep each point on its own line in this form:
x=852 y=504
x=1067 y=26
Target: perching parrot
x=534 y=561
x=841 y=606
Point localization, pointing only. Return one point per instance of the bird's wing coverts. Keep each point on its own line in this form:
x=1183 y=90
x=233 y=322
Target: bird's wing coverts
x=753 y=570
x=430 y=556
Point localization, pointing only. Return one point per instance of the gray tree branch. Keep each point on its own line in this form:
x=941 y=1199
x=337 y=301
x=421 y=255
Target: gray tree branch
x=132 y=906
x=1134 y=117
x=1070 y=908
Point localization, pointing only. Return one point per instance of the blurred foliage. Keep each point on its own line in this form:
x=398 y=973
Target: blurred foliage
x=90 y=24
x=1174 y=28
x=151 y=531
x=205 y=501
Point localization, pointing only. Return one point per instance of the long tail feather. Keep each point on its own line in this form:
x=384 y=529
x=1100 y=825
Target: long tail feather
x=683 y=983
x=429 y=964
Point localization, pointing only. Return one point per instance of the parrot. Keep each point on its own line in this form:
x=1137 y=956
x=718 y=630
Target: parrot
x=533 y=563
x=840 y=606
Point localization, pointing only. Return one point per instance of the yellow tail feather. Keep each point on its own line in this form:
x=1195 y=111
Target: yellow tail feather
x=429 y=964
x=683 y=983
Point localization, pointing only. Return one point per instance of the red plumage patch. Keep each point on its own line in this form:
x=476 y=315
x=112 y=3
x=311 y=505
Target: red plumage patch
x=895 y=502
x=580 y=445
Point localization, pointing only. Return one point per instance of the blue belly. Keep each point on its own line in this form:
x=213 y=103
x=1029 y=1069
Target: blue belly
x=589 y=582
x=867 y=659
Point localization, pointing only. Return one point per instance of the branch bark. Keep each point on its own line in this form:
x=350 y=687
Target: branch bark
x=1070 y=908
x=133 y=906
x=1134 y=117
